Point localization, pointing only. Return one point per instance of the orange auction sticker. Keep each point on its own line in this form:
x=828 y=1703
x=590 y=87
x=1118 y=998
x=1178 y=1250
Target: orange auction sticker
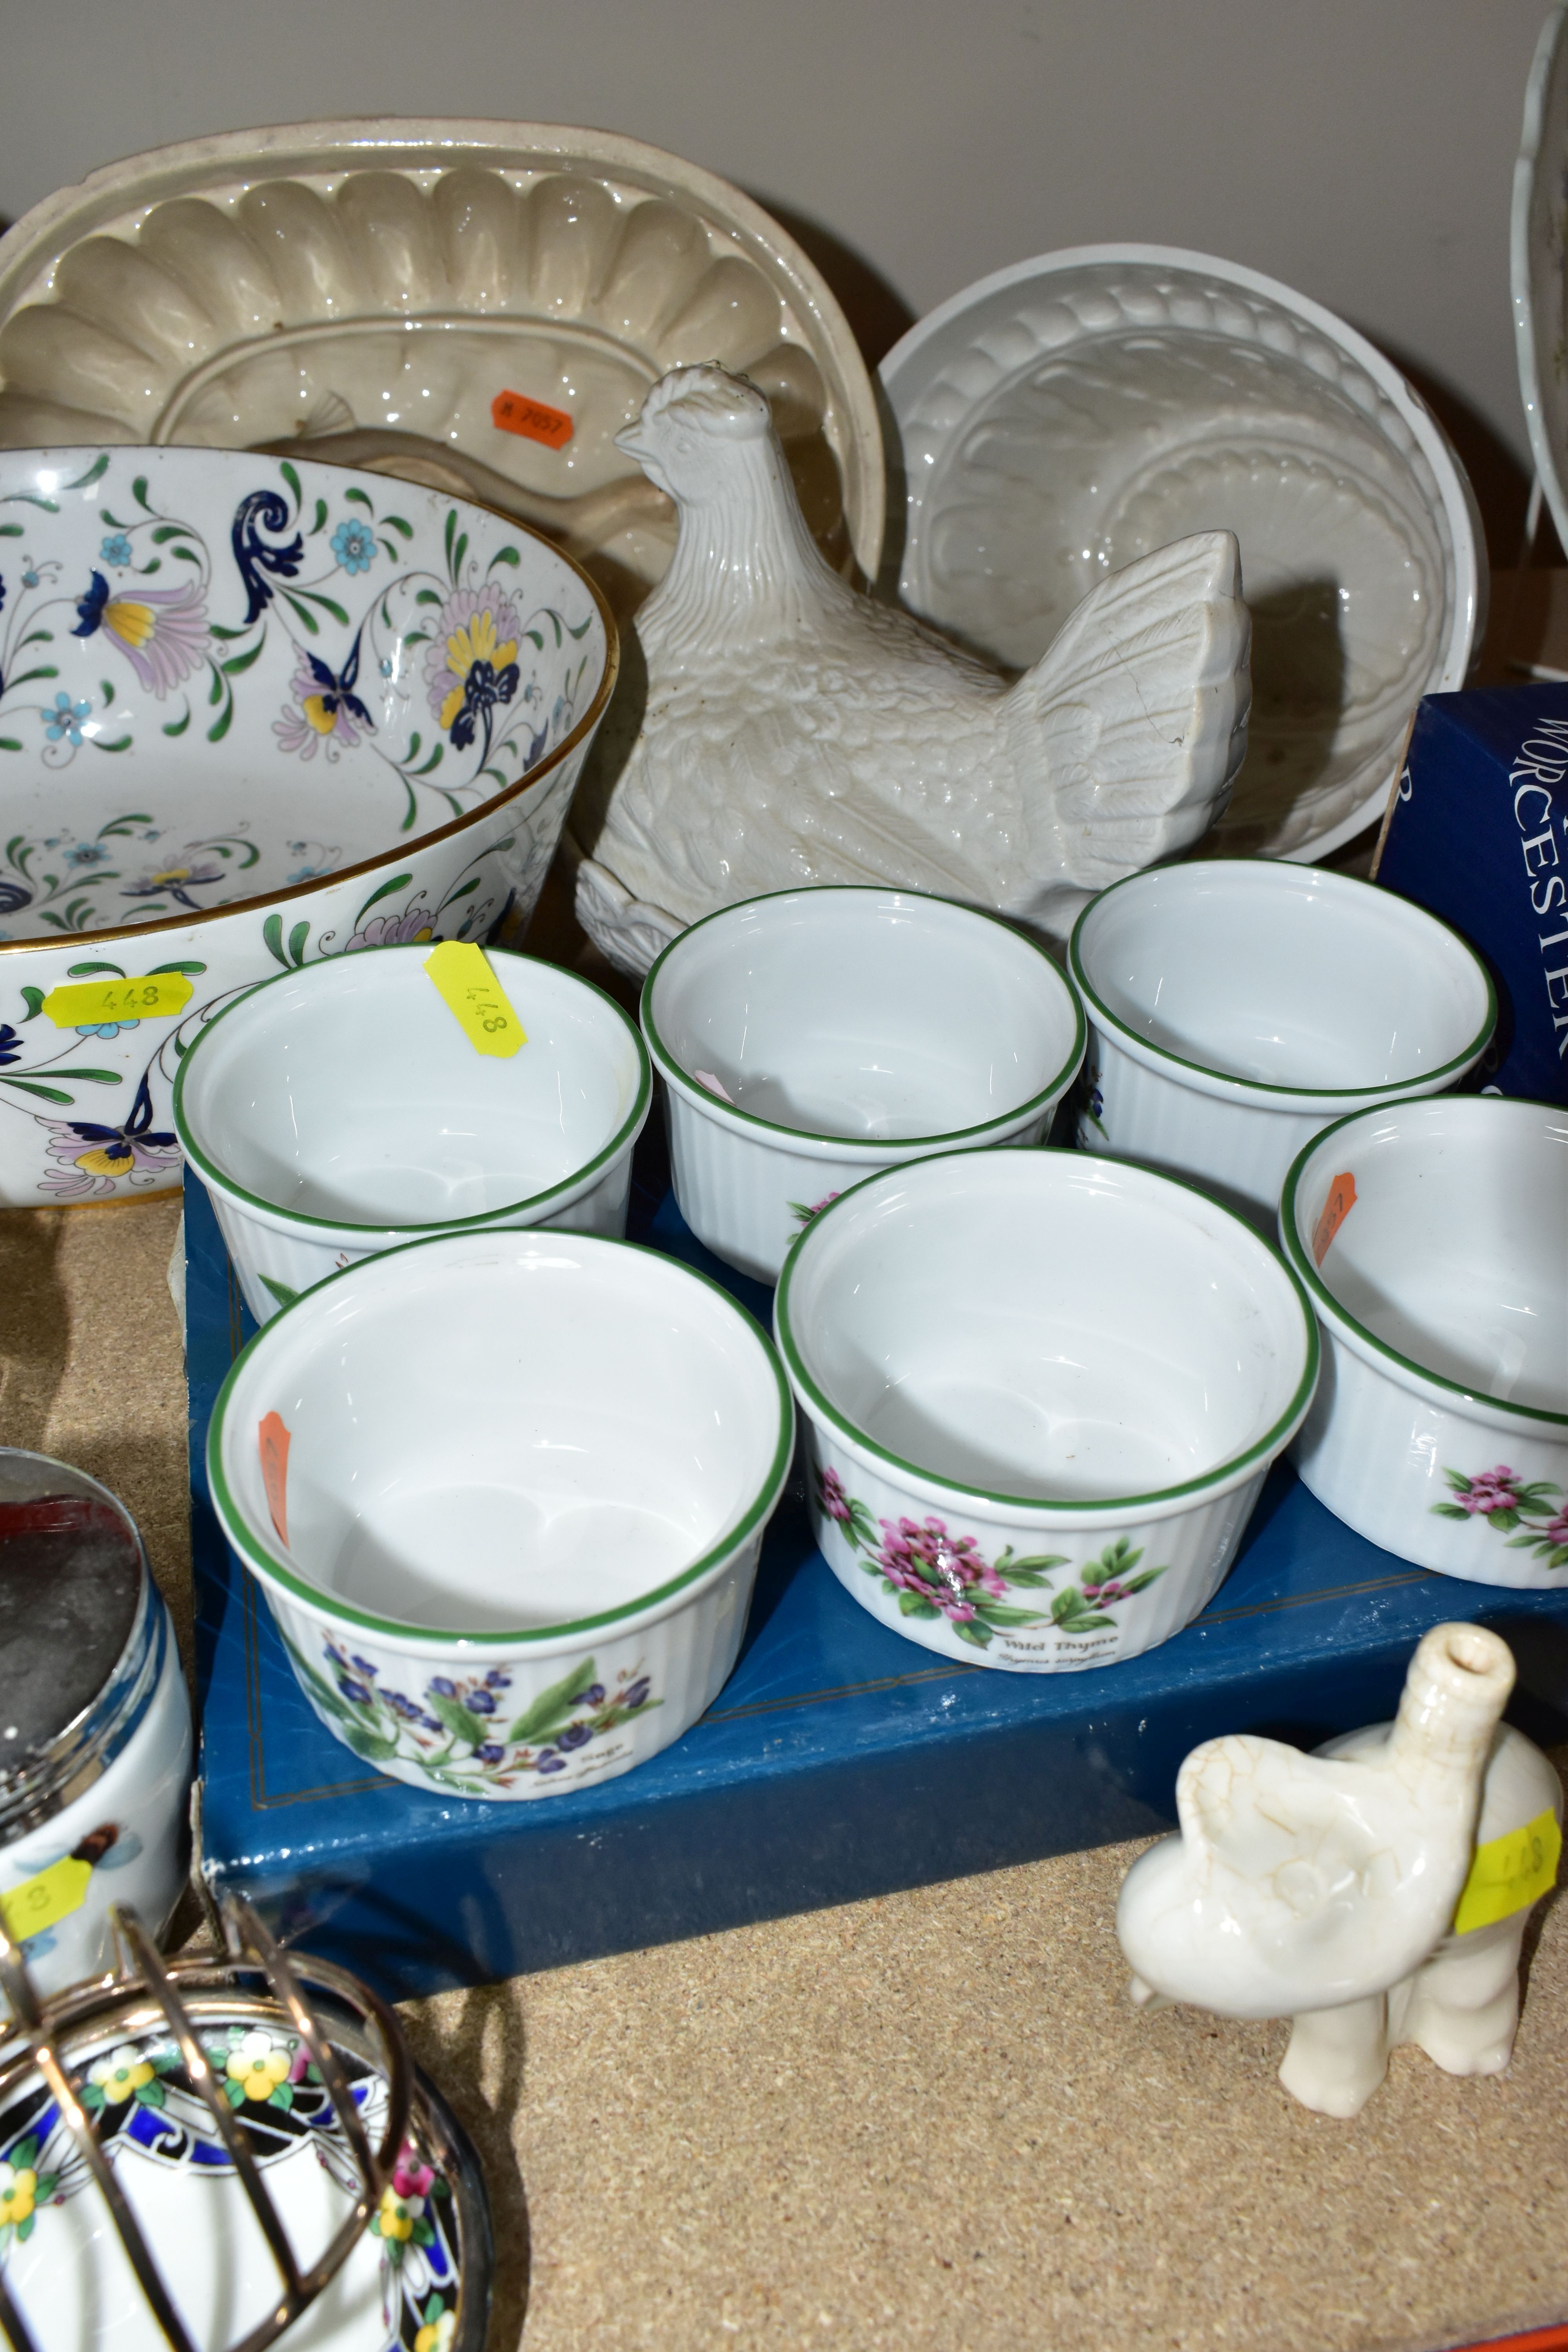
x=513 y=411
x=273 y=1440
x=1336 y=1209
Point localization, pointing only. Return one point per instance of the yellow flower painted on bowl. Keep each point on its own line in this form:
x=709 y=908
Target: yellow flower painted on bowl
x=162 y=632
x=103 y=1160
x=477 y=640
x=324 y=719
x=396 y=2215
x=437 y=2335
x=257 y=2066
x=120 y=2075
x=19 y=2187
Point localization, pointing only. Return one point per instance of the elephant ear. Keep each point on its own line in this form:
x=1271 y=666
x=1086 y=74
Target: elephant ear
x=1256 y=1805
x=1323 y=1869
x=1245 y=1806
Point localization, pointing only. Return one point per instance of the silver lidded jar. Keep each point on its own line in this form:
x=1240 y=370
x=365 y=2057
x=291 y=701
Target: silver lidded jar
x=95 y=1723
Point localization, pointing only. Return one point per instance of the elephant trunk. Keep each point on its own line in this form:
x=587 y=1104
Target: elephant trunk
x=1458 y=1685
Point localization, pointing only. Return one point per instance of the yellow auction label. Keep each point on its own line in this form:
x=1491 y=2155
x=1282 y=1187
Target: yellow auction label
x=461 y=972
x=83 y=1004
x=39 y=1902
x=1508 y=1874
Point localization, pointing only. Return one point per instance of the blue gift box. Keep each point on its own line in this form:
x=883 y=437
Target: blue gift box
x=1477 y=831
x=839 y=1761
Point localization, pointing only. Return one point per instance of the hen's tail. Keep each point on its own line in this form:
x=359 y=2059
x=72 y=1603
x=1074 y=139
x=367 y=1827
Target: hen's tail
x=1128 y=732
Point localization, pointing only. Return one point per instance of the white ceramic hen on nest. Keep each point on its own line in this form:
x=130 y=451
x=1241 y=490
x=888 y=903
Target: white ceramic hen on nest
x=795 y=731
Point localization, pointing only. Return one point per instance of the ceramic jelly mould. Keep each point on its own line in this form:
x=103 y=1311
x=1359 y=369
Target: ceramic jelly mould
x=1432 y=1238
x=1041 y=1393
x=1537 y=257
x=1376 y=1894
x=1239 y=1005
x=251 y=713
x=379 y=287
x=505 y=1492
x=811 y=1038
x=342 y=1109
x=1062 y=417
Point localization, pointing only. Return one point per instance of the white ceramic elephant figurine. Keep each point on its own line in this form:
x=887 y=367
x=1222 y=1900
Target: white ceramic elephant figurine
x=1375 y=1893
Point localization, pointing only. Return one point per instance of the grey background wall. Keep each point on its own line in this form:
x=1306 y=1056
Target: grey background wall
x=1362 y=150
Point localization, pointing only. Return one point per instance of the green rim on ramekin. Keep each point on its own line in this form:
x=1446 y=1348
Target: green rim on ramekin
x=1227 y=1473
x=1134 y=1042
x=856 y=1146
x=425 y=1228
x=255 y=1554
x=1301 y=1263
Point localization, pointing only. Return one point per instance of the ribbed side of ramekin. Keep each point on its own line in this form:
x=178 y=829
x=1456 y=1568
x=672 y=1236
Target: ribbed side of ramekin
x=746 y=1194
x=1193 y=1548
x=688 y=1656
x=298 y=1259
x=1375 y=1453
x=1241 y=1151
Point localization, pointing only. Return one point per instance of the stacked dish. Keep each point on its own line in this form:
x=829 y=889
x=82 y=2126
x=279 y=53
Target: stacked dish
x=254 y=713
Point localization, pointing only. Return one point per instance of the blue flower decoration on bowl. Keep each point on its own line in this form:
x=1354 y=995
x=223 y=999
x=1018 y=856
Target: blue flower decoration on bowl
x=115 y=551
x=354 y=544
x=65 y=720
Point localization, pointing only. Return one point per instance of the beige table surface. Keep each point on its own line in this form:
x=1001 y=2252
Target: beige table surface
x=928 y=2120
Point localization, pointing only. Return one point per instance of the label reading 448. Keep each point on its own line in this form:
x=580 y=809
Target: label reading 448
x=462 y=973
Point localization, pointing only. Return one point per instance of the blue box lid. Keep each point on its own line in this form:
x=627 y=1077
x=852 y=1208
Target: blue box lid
x=1477 y=832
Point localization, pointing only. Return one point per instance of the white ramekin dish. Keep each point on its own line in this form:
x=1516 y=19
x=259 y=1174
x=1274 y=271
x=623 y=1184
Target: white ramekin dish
x=810 y=1038
x=505 y=1493
x=1239 y=1005
x=1041 y=1393
x=1432 y=1238
x=339 y=1110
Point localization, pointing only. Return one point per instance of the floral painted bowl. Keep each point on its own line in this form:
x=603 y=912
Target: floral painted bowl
x=310 y=1171
x=251 y=714
x=1041 y=1393
x=809 y=1038
x=1432 y=1238
x=505 y=1493
x=419 y=2275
